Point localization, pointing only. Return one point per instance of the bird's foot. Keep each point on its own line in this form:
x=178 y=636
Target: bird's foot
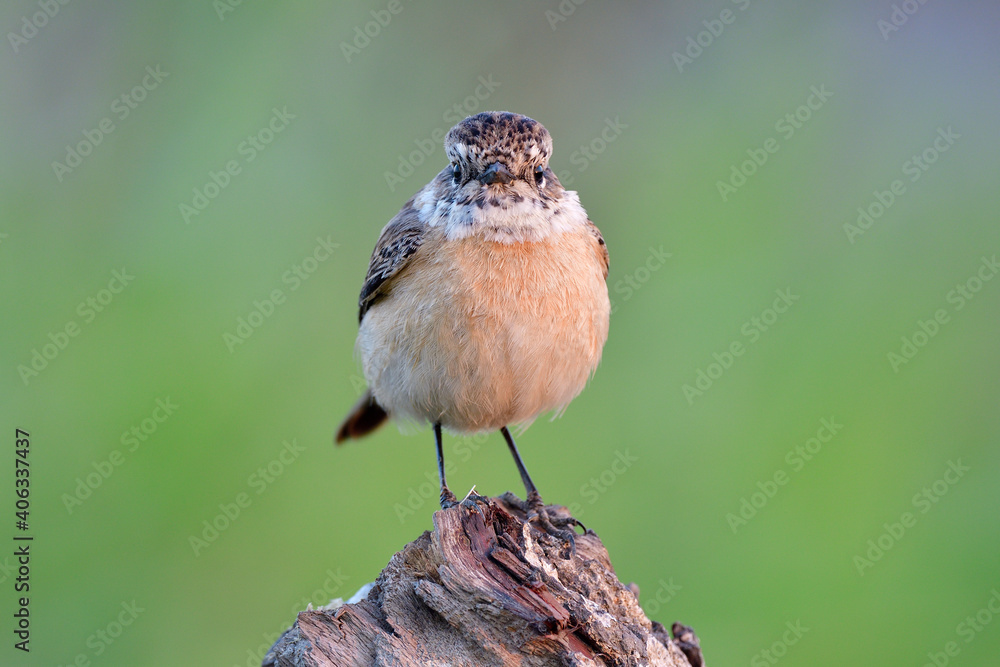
x=472 y=500
x=559 y=527
x=448 y=499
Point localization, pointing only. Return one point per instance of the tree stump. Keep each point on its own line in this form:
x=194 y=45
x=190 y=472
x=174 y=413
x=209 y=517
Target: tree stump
x=488 y=588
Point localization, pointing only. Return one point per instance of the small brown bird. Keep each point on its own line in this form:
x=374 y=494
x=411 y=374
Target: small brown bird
x=486 y=301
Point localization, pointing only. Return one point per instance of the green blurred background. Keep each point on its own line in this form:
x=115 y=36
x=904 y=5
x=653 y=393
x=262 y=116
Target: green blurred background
x=645 y=137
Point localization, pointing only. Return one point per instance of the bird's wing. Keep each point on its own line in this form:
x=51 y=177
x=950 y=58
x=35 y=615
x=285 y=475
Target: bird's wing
x=398 y=241
x=602 y=247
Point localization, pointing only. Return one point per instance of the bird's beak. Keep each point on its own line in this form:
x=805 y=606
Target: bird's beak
x=496 y=173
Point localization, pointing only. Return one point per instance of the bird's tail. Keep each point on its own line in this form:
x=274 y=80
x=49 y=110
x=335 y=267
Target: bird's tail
x=364 y=417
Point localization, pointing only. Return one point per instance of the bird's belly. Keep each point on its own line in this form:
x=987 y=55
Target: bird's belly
x=478 y=334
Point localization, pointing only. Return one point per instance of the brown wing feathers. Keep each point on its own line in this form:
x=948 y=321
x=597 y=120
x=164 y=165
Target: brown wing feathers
x=399 y=240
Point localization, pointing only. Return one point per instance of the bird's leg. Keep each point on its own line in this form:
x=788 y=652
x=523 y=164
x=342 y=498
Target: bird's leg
x=448 y=498
x=533 y=505
x=529 y=486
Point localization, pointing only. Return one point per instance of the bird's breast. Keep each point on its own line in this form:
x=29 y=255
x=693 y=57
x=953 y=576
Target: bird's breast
x=480 y=333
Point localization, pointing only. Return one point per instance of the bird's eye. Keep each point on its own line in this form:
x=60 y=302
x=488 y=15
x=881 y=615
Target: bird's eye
x=540 y=175
x=456 y=173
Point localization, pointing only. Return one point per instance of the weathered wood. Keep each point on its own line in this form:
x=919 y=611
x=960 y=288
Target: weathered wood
x=486 y=588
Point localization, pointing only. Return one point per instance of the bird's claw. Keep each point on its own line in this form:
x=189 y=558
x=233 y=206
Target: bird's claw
x=472 y=500
x=448 y=499
x=536 y=513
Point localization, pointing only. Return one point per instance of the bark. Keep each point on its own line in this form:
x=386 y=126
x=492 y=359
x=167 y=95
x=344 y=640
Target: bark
x=486 y=588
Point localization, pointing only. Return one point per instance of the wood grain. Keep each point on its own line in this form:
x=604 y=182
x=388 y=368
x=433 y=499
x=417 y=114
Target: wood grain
x=486 y=588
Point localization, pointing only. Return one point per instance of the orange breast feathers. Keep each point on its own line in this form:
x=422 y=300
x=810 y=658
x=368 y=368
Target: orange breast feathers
x=479 y=334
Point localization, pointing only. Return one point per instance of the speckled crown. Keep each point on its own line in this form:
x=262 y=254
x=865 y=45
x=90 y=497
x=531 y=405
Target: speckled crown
x=499 y=136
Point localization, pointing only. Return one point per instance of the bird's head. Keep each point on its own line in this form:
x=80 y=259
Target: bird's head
x=498 y=148
x=498 y=180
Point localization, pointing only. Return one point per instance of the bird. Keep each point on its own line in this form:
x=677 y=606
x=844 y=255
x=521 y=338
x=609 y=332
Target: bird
x=485 y=303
